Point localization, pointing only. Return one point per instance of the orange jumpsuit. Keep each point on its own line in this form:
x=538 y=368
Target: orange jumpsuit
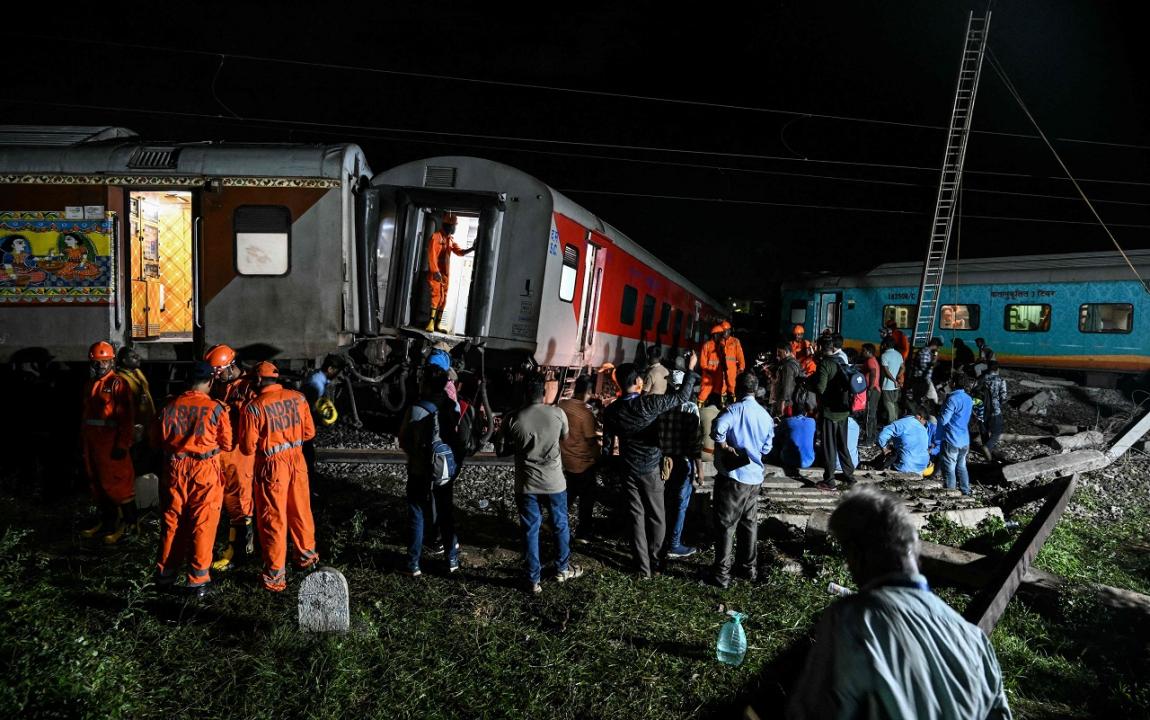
x=805 y=353
x=733 y=351
x=275 y=424
x=711 y=367
x=438 y=262
x=107 y=424
x=238 y=468
x=192 y=430
x=898 y=337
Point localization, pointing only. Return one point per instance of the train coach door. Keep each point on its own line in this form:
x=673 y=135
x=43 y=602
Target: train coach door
x=161 y=266
x=830 y=316
x=593 y=263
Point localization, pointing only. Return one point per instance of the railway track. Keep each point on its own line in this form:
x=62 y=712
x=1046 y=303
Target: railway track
x=383 y=456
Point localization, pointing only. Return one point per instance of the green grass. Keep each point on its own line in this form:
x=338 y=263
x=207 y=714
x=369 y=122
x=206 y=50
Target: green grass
x=83 y=635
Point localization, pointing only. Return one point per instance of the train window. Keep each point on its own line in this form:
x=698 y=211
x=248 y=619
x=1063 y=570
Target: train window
x=664 y=318
x=1106 y=318
x=630 y=301
x=263 y=239
x=798 y=312
x=648 y=312
x=677 y=324
x=958 y=317
x=901 y=314
x=570 y=273
x=1027 y=318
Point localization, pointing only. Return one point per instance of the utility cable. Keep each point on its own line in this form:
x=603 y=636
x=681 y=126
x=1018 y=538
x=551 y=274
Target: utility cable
x=1018 y=98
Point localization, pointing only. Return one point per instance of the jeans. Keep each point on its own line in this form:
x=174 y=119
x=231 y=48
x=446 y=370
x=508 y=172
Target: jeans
x=954 y=462
x=435 y=507
x=676 y=497
x=581 y=486
x=994 y=430
x=736 y=510
x=531 y=518
x=648 y=519
x=835 y=442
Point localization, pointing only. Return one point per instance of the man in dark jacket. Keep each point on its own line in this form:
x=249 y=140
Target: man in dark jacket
x=632 y=418
x=833 y=392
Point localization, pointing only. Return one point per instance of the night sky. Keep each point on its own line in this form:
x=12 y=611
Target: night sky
x=711 y=184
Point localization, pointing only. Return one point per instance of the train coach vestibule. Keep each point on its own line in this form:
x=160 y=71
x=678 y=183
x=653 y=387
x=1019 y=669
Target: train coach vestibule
x=160 y=242
x=446 y=270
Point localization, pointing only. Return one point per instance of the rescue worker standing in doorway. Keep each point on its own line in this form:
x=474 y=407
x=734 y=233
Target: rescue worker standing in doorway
x=803 y=351
x=231 y=388
x=108 y=419
x=438 y=265
x=713 y=365
x=192 y=430
x=736 y=363
x=274 y=426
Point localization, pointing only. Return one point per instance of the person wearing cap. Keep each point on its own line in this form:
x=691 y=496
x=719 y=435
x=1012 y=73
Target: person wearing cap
x=803 y=351
x=438 y=266
x=712 y=366
x=898 y=339
x=106 y=431
x=736 y=362
x=192 y=430
x=234 y=390
x=274 y=425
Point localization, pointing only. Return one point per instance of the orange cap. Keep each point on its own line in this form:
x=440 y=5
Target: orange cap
x=266 y=369
x=799 y=329
x=102 y=350
x=220 y=356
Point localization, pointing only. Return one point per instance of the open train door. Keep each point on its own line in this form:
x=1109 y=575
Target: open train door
x=594 y=262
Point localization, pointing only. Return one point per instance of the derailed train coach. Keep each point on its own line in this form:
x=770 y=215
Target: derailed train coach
x=289 y=252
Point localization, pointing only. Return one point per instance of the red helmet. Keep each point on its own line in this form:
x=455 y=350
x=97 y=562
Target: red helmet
x=102 y=350
x=220 y=356
x=266 y=369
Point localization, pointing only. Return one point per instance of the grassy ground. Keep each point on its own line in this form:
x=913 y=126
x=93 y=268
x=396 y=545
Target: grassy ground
x=82 y=634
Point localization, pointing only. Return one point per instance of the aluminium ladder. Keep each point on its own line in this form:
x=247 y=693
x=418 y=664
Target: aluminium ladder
x=930 y=287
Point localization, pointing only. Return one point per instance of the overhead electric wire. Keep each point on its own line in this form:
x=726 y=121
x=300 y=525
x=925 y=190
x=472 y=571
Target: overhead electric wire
x=1018 y=98
x=578 y=91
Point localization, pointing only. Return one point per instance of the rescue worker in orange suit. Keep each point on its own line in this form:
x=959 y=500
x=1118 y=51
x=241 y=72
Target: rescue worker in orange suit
x=274 y=426
x=803 y=351
x=192 y=430
x=713 y=366
x=128 y=368
x=736 y=363
x=107 y=427
x=898 y=337
x=231 y=388
x=438 y=264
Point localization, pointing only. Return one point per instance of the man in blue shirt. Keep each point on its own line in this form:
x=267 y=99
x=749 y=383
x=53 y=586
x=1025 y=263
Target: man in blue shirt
x=954 y=423
x=797 y=442
x=744 y=428
x=907 y=440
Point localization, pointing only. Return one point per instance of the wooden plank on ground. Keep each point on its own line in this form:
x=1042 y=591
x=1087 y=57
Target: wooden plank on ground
x=1078 y=461
x=987 y=607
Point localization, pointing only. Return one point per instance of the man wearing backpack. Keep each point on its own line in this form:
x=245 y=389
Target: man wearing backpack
x=430 y=424
x=533 y=434
x=833 y=388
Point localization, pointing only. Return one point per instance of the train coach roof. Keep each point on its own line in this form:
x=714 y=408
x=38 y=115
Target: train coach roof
x=477 y=174
x=1063 y=267
x=125 y=155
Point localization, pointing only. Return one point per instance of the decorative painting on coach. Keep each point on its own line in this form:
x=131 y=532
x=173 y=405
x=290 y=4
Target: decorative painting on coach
x=46 y=258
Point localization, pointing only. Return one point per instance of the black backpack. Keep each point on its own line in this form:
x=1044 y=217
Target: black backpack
x=850 y=382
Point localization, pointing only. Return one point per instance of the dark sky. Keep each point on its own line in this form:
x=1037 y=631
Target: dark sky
x=728 y=178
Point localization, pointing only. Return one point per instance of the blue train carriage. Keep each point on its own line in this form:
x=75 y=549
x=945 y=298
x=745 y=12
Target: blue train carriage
x=1083 y=312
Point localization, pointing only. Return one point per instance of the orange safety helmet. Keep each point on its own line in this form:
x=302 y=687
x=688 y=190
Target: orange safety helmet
x=726 y=325
x=718 y=329
x=450 y=219
x=102 y=350
x=798 y=329
x=266 y=369
x=220 y=356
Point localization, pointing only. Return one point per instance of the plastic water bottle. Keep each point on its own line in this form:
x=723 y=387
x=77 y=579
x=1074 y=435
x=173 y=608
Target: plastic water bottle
x=732 y=643
x=841 y=591
x=484 y=503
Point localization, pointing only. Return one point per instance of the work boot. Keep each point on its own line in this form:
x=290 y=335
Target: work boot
x=430 y=324
x=127 y=525
x=228 y=555
x=109 y=518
